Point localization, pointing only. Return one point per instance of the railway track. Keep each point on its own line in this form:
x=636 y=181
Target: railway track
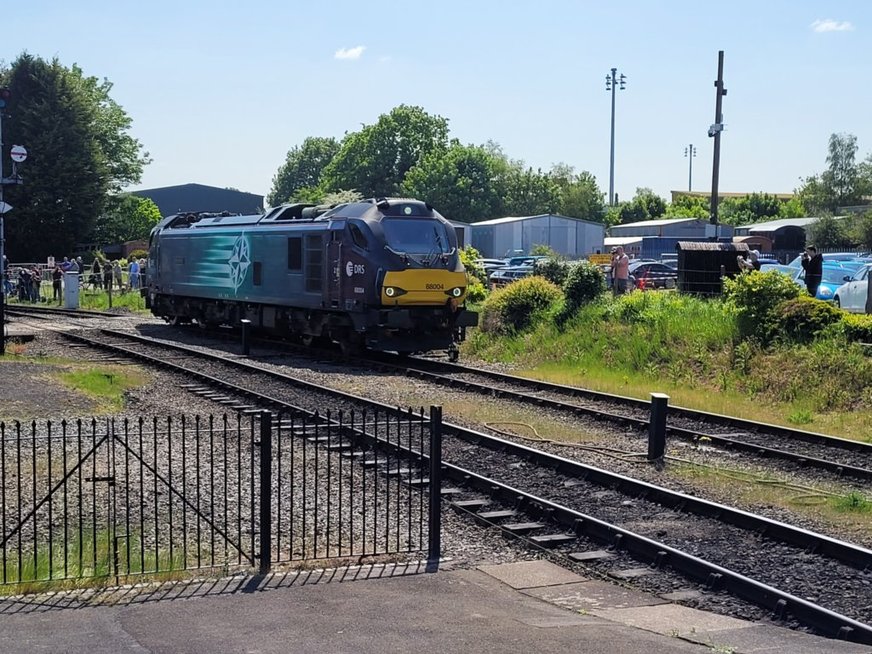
x=822 y=582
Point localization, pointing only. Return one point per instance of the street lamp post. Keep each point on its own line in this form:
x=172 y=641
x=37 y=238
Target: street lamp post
x=613 y=83
x=690 y=153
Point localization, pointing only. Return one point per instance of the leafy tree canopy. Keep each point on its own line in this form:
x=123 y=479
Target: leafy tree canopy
x=579 y=194
x=645 y=205
x=302 y=170
x=843 y=183
x=828 y=232
x=689 y=206
x=375 y=160
x=126 y=218
x=753 y=208
x=79 y=150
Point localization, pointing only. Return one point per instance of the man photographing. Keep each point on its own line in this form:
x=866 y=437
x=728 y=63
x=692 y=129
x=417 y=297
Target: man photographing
x=620 y=271
x=813 y=264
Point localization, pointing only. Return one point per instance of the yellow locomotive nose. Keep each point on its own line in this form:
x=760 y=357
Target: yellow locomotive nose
x=422 y=287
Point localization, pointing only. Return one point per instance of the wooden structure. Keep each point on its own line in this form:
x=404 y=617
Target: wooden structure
x=702 y=265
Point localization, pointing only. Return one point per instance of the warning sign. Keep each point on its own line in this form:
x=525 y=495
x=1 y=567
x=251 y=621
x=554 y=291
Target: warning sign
x=600 y=259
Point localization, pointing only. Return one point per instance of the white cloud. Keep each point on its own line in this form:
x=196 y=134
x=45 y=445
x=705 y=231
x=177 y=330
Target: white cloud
x=349 y=53
x=830 y=25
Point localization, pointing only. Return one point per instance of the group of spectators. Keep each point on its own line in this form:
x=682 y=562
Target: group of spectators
x=103 y=275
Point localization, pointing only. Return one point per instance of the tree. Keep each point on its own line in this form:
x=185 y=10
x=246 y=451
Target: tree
x=749 y=209
x=863 y=230
x=793 y=208
x=375 y=160
x=828 y=232
x=843 y=182
x=79 y=150
x=302 y=170
x=464 y=182
x=689 y=206
x=529 y=192
x=645 y=205
x=580 y=196
x=127 y=217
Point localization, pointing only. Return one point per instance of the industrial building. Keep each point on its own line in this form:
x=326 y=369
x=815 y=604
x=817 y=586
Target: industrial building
x=651 y=239
x=199 y=197
x=571 y=237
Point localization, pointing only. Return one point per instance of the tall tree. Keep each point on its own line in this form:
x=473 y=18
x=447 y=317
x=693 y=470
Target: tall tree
x=645 y=205
x=302 y=170
x=828 y=232
x=530 y=192
x=375 y=160
x=689 y=206
x=580 y=195
x=464 y=182
x=78 y=151
x=844 y=181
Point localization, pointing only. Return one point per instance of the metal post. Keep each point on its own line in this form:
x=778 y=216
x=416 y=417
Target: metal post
x=715 y=131
x=869 y=293
x=265 y=492
x=612 y=157
x=434 y=545
x=657 y=426
x=246 y=333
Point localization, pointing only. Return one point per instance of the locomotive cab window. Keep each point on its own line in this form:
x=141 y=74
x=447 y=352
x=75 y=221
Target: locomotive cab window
x=295 y=253
x=357 y=236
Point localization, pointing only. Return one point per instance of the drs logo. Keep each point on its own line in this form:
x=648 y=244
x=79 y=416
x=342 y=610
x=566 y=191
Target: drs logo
x=352 y=269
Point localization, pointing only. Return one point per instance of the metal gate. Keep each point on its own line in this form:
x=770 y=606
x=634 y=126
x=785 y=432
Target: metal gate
x=123 y=498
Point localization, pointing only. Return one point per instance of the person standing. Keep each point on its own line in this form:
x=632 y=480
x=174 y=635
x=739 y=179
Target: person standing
x=56 y=276
x=813 y=264
x=116 y=272
x=620 y=271
x=107 y=276
x=133 y=275
x=96 y=278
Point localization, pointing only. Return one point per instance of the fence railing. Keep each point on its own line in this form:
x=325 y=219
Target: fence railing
x=120 y=498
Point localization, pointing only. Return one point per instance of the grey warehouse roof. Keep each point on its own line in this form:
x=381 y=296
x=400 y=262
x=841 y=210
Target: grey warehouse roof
x=659 y=223
x=512 y=219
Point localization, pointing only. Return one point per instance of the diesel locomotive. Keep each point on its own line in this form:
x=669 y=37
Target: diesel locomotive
x=383 y=274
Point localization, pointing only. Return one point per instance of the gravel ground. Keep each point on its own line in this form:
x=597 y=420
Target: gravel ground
x=463 y=541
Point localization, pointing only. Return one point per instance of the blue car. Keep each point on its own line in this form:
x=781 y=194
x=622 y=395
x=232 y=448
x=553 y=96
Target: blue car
x=833 y=276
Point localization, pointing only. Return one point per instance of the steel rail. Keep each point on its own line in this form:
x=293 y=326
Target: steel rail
x=829 y=622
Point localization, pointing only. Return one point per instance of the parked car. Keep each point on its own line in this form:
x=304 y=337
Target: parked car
x=527 y=260
x=851 y=295
x=652 y=274
x=507 y=275
x=828 y=256
x=787 y=270
x=833 y=277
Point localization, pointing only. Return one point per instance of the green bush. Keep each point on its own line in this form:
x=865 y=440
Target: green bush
x=519 y=305
x=755 y=297
x=468 y=257
x=137 y=254
x=803 y=318
x=475 y=290
x=857 y=327
x=584 y=283
x=553 y=269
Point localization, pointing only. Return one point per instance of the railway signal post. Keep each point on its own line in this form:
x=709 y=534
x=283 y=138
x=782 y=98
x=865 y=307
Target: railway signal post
x=18 y=155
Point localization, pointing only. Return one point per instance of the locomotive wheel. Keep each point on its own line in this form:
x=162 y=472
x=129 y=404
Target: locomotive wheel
x=453 y=354
x=307 y=340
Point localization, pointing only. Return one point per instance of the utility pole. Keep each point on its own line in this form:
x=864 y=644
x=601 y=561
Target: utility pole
x=715 y=132
x=690 y=153
x=18 y=154
x=613 y=82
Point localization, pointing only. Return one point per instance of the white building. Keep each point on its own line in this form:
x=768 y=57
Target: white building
x=571 y=237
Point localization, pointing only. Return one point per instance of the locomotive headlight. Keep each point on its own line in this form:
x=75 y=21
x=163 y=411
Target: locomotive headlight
x=457 y=291
x=393 y=291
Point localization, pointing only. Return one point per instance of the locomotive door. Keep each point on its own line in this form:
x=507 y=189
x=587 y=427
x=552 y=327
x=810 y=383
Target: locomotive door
x=334 y=266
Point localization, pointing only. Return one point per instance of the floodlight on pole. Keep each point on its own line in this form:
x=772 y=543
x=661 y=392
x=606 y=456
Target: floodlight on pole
x=613 y=83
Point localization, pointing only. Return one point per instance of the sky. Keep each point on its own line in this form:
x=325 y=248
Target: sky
x=220 y=91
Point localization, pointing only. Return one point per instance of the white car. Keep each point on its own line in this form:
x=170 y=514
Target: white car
x=851 y=295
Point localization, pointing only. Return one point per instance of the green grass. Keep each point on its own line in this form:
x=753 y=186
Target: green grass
x=95 y=299
x=690 y=348
x=89 y=563
x=106 y=385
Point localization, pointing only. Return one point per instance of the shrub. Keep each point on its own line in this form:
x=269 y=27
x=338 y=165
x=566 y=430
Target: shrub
x=475 y=290
x=857 y=327
x=803 y=318
x=137 y=254
x=519 y=305
x=584 y=283
x=755 y=296
x=552 y=269
x=468 y=257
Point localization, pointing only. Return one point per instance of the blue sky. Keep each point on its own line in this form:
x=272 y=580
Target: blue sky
x=220 y=91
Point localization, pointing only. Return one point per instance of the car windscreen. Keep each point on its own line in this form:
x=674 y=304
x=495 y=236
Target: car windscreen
x=416 y=235
x=835 y=275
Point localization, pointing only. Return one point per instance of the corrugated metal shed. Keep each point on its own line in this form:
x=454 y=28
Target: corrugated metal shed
x=700 y=265
x=675 y=228
x=571 y=237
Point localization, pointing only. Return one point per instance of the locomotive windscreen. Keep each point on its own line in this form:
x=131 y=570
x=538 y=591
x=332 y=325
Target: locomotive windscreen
x=416 y=236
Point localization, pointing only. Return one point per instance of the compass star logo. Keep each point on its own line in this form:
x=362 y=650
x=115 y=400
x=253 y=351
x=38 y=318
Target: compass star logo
x=240 y=260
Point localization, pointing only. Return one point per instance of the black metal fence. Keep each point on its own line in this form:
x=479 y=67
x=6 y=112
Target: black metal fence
x=119 y=498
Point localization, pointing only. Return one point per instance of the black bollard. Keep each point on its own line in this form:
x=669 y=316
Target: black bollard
x=657 y=426
x=246 y=332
